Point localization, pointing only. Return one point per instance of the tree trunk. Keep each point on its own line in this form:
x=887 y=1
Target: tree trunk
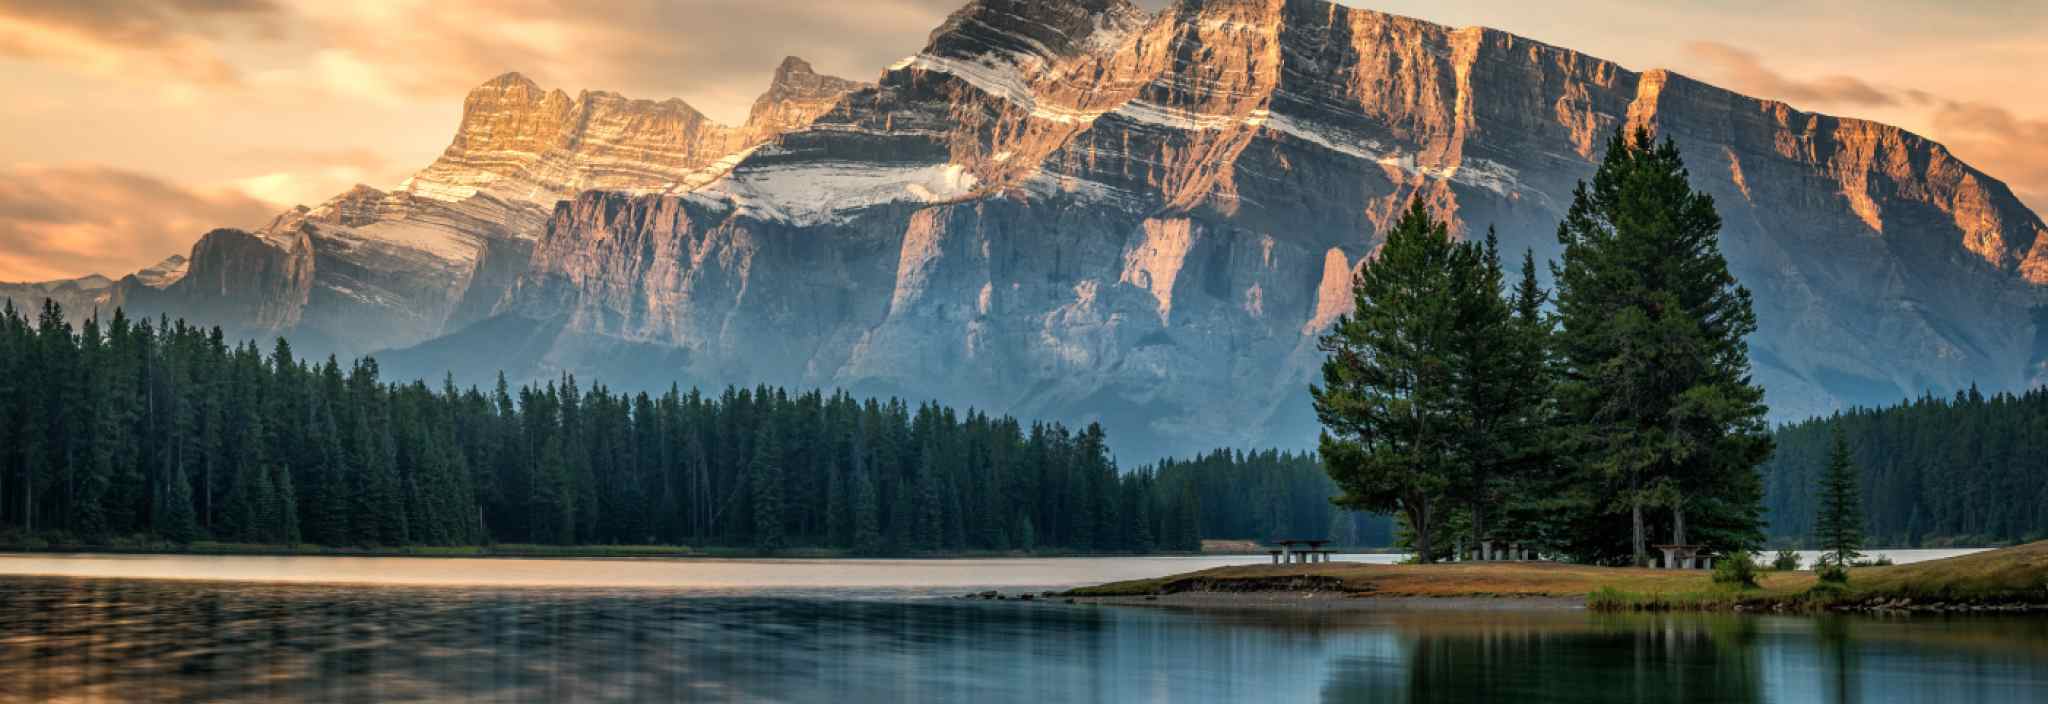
x=1635 y=501
x=1418 y=517
x=1479 y=528
x=1678 y=524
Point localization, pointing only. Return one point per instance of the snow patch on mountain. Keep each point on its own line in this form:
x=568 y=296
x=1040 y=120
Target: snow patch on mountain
x=820 y=192
x=1002 y=79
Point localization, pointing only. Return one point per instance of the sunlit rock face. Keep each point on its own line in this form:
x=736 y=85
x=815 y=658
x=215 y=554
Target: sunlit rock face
x=1080 y=210
x=374 y=269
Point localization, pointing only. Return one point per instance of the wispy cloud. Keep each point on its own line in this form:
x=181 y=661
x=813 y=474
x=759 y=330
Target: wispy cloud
x=178 y=39
x=2000 y=143
x=717 y=54
x=1744 y=71
x=66 y=221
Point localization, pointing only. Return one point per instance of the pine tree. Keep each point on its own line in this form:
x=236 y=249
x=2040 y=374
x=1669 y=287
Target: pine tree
x=1839 y=522
x=1489 y=367
x=1390 y=398
x=287 y=511
x=250 y=500
x=180 y=523
x=764 y=476
x=553 y=508
x=1655 y=382
x=867 y=529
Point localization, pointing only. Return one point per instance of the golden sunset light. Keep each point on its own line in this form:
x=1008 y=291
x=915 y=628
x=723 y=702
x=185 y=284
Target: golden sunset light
x=1033 y=351
x=289 y=103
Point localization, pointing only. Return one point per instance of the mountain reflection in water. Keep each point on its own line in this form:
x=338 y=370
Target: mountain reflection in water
x=69 y=638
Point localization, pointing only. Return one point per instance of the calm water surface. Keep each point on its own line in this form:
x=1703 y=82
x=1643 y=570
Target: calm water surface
x=265 y=629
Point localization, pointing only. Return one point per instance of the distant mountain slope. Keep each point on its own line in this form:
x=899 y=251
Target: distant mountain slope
x=1076 y=209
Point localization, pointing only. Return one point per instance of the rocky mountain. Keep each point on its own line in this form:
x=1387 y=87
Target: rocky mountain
x=82 y=296
x=1078 y=209
x=370 y=270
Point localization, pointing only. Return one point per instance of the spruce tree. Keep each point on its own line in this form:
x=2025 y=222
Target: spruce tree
x=1392 y=404
x=180 y=523
x=1491 y=368
x=552 y=511
x=1839 y=523
x=764 y=477
x=867 y=529
x=287 y=511
x=1655 y=381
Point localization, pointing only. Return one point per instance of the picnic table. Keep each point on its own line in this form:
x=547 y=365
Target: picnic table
x=1308 y=552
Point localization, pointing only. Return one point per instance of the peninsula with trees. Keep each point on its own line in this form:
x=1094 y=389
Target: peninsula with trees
x=1553 y=442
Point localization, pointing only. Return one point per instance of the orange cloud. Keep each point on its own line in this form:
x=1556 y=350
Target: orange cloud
x=717 y=54
x=61 y=222
x=2006 y=146
x=1988 y=137
x=177 y=38
x=1744 y=72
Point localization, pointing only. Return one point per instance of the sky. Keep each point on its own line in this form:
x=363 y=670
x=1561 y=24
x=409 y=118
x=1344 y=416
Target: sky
x=134 y=126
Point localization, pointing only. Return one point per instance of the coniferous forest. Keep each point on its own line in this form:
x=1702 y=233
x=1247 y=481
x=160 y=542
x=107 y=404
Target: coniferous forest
x=1967 y=470
x=1270 y=494
x=162 y=431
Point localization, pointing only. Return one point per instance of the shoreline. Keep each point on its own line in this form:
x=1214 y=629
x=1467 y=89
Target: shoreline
x=1316 y=602
x=2006 y=580
x=564 y=553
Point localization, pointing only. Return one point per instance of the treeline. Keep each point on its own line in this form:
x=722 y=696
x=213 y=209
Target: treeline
x=1967 y=470
x=162 y=431
x=1271 y=495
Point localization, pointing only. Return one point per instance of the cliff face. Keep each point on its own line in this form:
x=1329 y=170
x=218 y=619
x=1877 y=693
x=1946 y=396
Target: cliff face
x=1079 y=210
x=373 y=270
x=236 y=279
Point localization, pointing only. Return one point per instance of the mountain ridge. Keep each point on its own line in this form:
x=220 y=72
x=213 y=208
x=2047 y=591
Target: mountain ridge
x=1079 y=210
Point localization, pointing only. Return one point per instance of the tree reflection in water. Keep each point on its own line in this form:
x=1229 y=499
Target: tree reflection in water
x=183 y=641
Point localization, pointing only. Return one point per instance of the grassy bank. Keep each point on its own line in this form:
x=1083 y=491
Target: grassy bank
x=2014 y=577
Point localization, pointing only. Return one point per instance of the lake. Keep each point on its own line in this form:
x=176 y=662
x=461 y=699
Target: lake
x=373 y=629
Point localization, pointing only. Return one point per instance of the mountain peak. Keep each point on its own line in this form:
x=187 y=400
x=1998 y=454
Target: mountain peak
x=510 y=79
x=1041 y=28
x=797 y=95
x=792 y=65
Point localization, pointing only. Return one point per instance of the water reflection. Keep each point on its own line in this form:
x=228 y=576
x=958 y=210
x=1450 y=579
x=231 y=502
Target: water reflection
x=99 y=639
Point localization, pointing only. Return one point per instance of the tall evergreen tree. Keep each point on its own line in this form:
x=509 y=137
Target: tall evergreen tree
x=180 y=523
x=1392 y=403
x=1655 y=368
x=1500 y=388
x=1839 y=525
x=764 y=475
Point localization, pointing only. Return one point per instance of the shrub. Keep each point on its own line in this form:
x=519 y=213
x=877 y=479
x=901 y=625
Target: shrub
x=1825 y=593
x=1787 y=561
x=1882 y=561
x=1831 y=573
x=1738 y=569
x=1609 y=599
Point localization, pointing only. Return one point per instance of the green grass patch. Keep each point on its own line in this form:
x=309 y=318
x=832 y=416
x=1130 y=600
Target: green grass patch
x=1719 y=598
